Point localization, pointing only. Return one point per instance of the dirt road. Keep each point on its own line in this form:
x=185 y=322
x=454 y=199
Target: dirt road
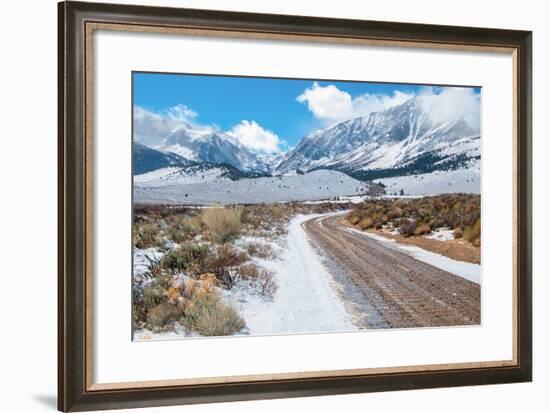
x=398 y=290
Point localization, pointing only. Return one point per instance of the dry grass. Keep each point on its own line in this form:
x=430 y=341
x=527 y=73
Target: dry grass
x=224 y=224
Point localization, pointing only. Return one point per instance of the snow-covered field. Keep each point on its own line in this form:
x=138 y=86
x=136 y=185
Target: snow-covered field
x=181 y=176
x=317 y=185
x=438 y=182
x=307 y=299
x=469 y=271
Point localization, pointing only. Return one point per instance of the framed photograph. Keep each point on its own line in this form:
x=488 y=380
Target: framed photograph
x=262 y=206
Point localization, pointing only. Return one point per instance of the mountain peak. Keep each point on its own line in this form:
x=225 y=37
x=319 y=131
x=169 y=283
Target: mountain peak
x=379 y=140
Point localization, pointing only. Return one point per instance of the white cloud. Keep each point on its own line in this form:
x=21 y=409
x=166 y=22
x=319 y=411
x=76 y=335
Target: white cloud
x=150 y=128
x=181 y=113
x=256 y=138
x=330 y=104
x=451 y=103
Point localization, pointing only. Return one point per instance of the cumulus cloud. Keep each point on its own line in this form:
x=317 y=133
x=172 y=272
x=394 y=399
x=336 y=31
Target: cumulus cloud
x=181 y=113
x=256 y=138
x=330 y=104
x=150 y=128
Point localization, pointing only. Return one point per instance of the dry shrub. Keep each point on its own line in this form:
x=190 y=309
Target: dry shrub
x=366 y=223
x=206 y=314
x=422 y=229
x=173 y=293
x=154 y=269
x=249 y=271
x=267 y=285
x=395 y=212
x=223 y=261
x=146 y=235
x=153 y=295
x=229 y=256
x=207 y=282
x=354 y=219
x=161 y=314
x=188 y=257
x=407 y=227
x=472 y=233
x=224 y=224
x=458 y=233
x=259 y=249
x=447 y=210
x=189 y=287
x=259 y=278
x=183 y=228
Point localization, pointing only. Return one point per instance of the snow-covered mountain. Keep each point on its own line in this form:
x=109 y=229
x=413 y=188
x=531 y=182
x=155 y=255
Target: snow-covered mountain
x=146 y=159
x=401 y=140
x=203 y=144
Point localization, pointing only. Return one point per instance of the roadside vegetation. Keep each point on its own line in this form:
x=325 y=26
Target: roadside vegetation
x=412 y=217
x=195 y=254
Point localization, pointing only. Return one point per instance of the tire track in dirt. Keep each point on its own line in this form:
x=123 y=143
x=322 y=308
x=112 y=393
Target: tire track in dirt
x=406 y=292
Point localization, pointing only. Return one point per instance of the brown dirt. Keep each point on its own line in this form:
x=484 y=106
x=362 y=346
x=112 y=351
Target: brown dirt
x=457 y=249
x=404 y=291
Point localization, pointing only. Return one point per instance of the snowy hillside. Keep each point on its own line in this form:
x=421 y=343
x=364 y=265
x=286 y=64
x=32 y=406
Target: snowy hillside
x=182 y=176
x=322 y=184
x=437 y=182
x=400 y=140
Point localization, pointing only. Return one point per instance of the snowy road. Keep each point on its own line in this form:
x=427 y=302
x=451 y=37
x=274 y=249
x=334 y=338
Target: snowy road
x=307 y=299
x=404 y=291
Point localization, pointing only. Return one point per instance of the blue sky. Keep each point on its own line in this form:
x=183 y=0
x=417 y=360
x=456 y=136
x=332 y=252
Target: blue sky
x=287 y=108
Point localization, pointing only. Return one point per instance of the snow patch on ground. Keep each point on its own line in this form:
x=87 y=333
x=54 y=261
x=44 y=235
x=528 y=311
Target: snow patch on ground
x=442 y=234
x=469 y=271
x=141 y=260
x=307 y=298
x=438 y=182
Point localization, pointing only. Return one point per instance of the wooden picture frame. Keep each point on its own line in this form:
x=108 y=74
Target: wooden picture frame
x=77 y=21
